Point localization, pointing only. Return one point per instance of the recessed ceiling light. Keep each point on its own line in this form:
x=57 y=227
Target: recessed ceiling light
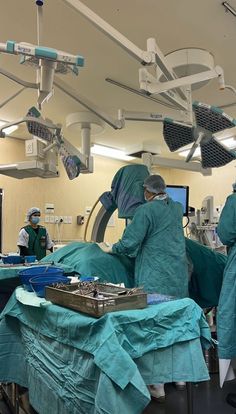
x=10 y=129
x=110 y=152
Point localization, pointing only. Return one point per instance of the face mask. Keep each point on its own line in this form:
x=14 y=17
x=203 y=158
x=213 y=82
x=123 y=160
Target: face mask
x=35 y=220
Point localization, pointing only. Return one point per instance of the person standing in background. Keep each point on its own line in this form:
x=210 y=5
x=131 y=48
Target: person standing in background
x=33 y=239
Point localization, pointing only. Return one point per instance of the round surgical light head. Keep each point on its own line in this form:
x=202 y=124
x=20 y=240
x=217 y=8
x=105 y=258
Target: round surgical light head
x=80 y=120
x=189 y=61
x=154 y=184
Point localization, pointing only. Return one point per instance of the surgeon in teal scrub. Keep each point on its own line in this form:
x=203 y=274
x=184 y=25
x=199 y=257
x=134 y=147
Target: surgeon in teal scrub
x=155 y=238
x=226 y=315
x=226 y=230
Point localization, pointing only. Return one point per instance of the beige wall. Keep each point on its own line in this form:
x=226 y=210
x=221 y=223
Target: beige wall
x=71 y=197
x=218 y=185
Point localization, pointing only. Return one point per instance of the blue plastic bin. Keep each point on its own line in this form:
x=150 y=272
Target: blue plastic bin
x=13 y=259
x=30 y=259
x=44 y=271
x=38 y=283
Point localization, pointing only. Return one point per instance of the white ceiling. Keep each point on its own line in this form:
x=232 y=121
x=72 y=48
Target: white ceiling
x=174 y=24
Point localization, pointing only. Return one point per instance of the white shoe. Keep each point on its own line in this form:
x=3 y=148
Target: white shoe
x=180 y=385
x=157 y=392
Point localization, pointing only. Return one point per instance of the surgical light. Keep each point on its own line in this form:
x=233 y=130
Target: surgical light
x=212 y=127
x=229 y=143
x=110 y=152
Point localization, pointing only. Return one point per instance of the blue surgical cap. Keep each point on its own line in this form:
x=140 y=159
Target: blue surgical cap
x=155 y=184
x=31 y=211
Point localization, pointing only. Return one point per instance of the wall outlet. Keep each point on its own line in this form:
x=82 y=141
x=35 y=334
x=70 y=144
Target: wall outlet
x=51 y=219
x=29 y=147
x=87 y=210
x=65 y=219
x=47 y=219
x=61 y=219
x=80 y=220
x=56 y=219
x=69 y=219
x=49 y=208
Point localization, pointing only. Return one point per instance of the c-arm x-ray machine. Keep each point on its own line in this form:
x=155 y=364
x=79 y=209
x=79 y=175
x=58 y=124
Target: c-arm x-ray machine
x=176 y=92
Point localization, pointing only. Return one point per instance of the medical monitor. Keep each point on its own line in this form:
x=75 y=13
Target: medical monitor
x=179 y=193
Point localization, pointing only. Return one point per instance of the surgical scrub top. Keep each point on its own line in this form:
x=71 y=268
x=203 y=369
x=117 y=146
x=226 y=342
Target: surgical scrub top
x=155 y=238
x=226 y=315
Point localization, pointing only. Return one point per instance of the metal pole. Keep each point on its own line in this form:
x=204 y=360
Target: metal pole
x=189 y=386
x=85 y=144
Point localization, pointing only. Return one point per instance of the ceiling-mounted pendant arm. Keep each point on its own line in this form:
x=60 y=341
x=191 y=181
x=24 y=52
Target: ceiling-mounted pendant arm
x=162 y=63
x=46 y=59
x=149 y=83
x=149 y=160
x=160 y=60
x=141 y=116
x=155 y=87
x=116 y=124
x=152 y=56
x=41 y=52
x=18 y=80
x=51 y=146
x=142 y=56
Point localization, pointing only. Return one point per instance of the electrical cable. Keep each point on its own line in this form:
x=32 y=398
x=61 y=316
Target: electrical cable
x=57 y=234
x=187 y=222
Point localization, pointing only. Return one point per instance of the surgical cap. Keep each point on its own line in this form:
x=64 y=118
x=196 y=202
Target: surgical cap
x=155 y=184
x=31 y=211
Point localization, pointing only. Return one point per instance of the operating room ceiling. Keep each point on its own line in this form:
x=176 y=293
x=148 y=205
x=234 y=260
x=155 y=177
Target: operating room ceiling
x=174 y=25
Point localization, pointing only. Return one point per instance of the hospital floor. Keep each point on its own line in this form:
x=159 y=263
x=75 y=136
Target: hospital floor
x=208 y=399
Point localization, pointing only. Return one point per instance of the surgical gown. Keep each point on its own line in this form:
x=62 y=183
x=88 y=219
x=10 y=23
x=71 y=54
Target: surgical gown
x=226 y=317
x=155 y=238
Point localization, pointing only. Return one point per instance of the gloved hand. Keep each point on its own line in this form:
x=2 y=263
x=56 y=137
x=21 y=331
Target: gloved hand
x=105 y=247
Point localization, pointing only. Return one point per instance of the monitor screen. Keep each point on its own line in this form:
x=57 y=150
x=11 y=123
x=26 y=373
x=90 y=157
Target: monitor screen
x=179 y=193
